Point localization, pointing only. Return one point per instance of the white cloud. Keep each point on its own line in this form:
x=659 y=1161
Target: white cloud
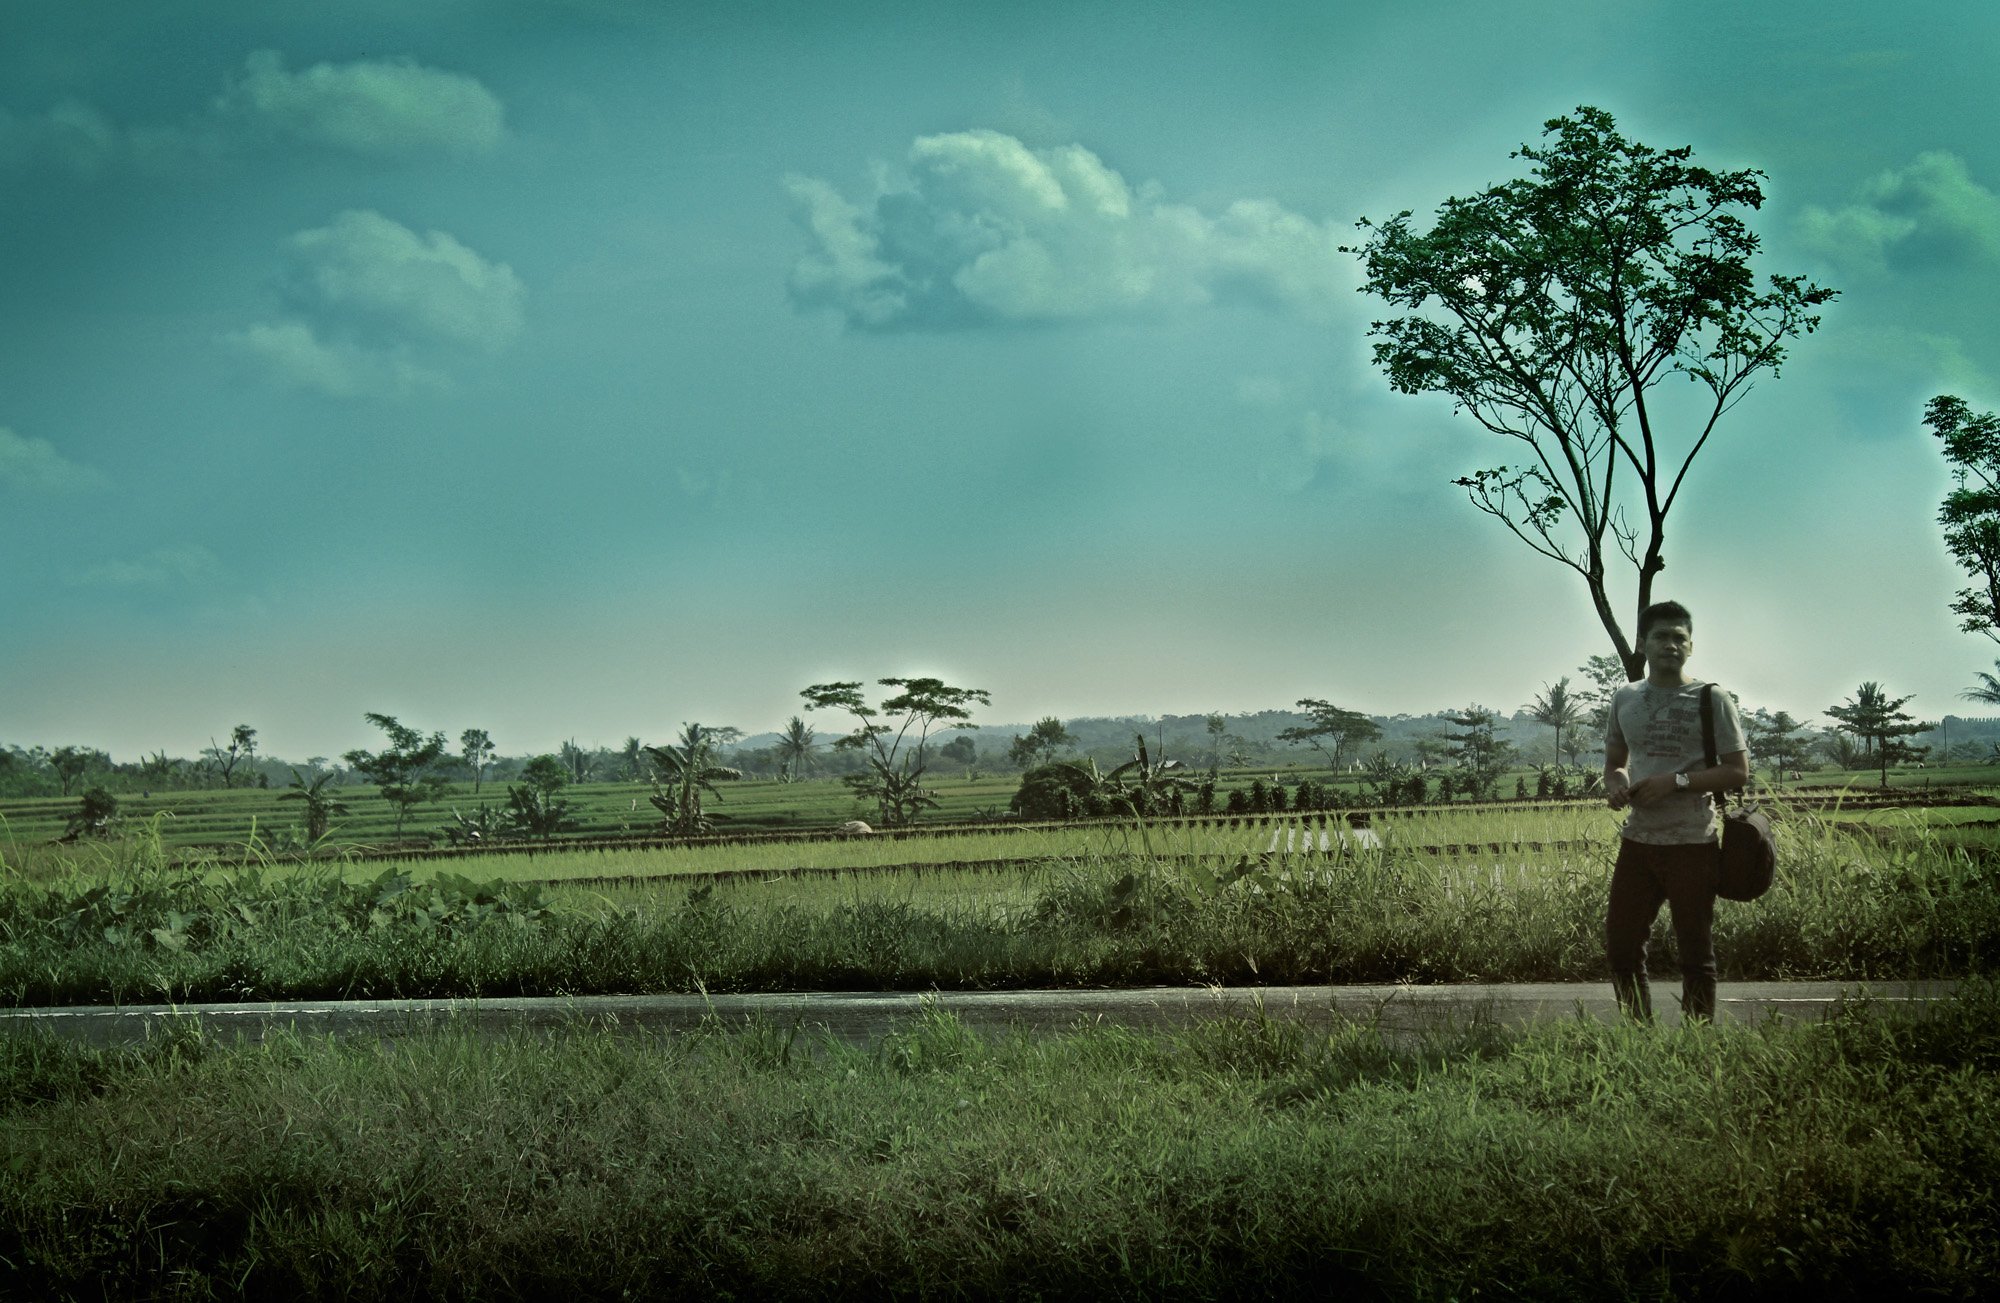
x=382 y=275
x=164 y=567
x=34 y=465
x=377 y=107
x=1929 y=213
x=375 y=309
x=292 y=354
x=982 y=228
x=385 y=108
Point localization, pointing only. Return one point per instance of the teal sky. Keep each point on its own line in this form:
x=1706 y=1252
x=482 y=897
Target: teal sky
x=578 y=369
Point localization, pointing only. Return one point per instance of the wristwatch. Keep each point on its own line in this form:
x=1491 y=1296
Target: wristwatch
x=1681 y=781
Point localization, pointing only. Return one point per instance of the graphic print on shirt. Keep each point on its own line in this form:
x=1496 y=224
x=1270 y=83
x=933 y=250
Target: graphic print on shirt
x=1667 y=727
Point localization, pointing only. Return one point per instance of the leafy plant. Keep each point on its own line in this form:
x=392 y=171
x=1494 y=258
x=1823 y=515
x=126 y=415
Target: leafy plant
x=321 y=804
x=685 y=771
x=94 y=816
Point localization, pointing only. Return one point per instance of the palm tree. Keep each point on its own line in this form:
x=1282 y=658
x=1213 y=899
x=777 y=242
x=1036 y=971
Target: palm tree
x=1988 y=690
x=686 y=771
x=1557 y=707
x=795 y=748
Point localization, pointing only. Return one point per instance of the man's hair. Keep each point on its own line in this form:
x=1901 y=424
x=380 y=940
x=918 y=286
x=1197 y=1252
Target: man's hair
x=1664 y=613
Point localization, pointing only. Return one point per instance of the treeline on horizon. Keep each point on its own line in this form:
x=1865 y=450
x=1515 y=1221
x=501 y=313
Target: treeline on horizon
x=1243 y=741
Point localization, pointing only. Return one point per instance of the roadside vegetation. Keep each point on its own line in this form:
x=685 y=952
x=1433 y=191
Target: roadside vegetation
x=1853 y=1158
x=1518 y=896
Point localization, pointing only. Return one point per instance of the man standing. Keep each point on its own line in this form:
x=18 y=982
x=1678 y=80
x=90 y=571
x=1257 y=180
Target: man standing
x=1654 y=762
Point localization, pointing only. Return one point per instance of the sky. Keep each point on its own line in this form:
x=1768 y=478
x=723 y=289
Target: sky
x=577 y=369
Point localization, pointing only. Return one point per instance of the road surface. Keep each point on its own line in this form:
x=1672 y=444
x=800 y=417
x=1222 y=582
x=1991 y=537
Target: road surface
x=862 y=1017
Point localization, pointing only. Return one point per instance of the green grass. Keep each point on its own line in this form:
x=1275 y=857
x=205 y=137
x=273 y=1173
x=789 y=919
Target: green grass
x=232 y=818
x=1150 y=905
x=1247 y=1158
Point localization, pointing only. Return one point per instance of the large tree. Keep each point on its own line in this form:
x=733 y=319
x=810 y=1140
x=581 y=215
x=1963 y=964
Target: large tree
x=1970 y=513
x=896 y=753
x=1550 y=307
x=1881 y=724
x=1334 y=731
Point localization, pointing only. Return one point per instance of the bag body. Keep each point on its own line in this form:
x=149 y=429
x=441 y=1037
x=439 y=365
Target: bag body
x=1749 y=854
x=1749 y=861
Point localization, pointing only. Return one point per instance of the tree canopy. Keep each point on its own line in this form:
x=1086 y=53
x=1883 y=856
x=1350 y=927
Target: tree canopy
x=1550 y=306
x=1334 y=732
x=1881 y=724
x=403 y=770
x=1970 y=513
x=896 y=758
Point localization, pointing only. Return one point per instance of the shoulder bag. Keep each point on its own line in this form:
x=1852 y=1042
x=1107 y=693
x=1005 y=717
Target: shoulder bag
x=1749 y=846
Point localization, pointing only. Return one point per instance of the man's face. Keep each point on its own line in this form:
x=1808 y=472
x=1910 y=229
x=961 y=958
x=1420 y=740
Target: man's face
x=1667 y=646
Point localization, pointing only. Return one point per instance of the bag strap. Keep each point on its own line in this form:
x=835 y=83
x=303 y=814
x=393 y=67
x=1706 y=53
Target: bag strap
x=1708 y=738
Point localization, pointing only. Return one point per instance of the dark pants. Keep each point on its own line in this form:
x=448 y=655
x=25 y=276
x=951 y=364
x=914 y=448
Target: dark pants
x=1645 y=877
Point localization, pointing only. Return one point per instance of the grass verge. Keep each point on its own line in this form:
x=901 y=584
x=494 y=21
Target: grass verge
x=1855 y=1158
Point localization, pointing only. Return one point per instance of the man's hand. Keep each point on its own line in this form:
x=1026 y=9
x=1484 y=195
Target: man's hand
x=1648 y=790
x=1618 y=789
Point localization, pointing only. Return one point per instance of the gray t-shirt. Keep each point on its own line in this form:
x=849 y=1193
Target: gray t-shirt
x=1661 y=731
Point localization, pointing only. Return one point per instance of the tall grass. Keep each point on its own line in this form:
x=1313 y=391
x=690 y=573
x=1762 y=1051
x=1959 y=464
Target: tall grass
x=1851 y=1159
x=1158 y=908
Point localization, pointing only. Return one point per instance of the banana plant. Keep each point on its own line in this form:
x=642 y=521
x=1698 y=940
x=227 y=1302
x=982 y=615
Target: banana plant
x=685 y=772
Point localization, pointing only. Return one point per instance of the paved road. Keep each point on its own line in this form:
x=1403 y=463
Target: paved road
x=862 y=1017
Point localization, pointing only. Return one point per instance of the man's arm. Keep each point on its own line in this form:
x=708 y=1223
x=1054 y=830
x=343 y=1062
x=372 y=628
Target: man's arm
x=1617 y=783
x=1727 y=774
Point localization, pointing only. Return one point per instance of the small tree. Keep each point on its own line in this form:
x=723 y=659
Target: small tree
x=1333 y=732
x=1548 y=307
x=405 y=769
x=1970 y=513
x=476 y=745
x=795 y=749
x=534 y=806
x=321 y=804
x=896 y=755
x=1603 y=676
x=94 y=816
x=579 y=761
x=1778 y=740
x=1881 y=724
x=686 y=770
x=1557 y=707
x=72 y=763
x=242 y=747
x=1478 y=751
